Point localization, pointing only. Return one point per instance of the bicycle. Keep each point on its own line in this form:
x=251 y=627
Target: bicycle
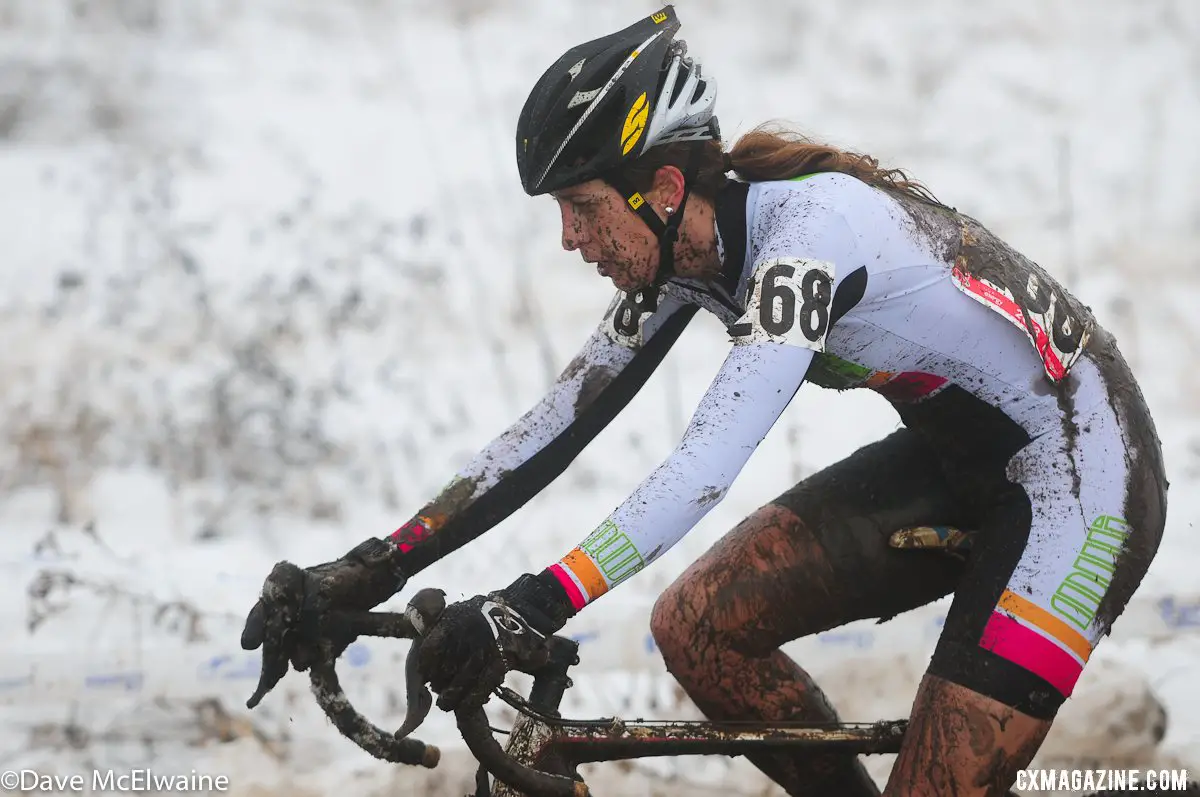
x=545 y=749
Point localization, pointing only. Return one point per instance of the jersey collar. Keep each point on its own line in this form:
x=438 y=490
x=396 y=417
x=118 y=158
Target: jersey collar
x=730 y=214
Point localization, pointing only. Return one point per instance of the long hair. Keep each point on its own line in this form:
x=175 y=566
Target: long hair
x=770 y=152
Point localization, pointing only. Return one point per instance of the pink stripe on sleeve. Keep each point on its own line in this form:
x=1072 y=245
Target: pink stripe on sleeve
x=1030 y=650
x=568 y=584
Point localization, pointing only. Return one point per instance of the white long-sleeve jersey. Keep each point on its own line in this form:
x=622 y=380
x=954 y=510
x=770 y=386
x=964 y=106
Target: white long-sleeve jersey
x=826 y=280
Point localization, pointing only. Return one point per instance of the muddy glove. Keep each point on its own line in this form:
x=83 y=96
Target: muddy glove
x=287 y=620
x=465 y=656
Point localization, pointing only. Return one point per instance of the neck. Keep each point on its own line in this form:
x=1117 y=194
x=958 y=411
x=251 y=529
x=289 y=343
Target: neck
x=696 y=250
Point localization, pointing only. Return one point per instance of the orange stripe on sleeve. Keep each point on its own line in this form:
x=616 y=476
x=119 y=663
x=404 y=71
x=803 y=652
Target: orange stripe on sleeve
x=586 y=571
x=1035 y=615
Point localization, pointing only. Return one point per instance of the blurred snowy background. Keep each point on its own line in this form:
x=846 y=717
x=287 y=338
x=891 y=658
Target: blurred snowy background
x=270 y=278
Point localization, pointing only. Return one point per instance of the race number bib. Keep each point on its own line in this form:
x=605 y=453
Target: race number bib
x=1022 y=292
x=625 y=319
x=787 y=301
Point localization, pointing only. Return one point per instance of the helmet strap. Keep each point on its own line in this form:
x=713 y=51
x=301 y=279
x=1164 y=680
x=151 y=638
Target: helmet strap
x=667 y=233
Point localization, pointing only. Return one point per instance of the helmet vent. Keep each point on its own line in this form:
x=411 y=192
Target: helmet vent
x=583 y=96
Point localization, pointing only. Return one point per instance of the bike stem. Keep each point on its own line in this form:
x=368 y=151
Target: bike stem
x=550 y=681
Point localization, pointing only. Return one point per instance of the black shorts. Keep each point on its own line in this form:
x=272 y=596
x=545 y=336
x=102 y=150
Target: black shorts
x=1065 y=529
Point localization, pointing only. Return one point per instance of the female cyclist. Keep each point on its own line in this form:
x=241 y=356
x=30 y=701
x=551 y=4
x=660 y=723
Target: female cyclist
x=1021 y=421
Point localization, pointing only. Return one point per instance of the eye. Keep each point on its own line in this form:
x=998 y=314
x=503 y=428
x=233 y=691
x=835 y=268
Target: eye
x=575 y=203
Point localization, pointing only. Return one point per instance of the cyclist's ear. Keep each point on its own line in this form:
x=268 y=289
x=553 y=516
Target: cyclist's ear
x=667 y=189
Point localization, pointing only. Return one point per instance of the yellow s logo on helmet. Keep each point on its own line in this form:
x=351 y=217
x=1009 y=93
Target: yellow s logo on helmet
x=635 y=123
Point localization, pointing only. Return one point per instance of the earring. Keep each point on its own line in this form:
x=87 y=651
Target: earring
x=669 y=210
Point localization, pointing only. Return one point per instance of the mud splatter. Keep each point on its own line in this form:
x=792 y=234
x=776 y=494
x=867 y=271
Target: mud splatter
x=814 y=559
x=711 y=495
x=933 y=730
x=937 y=224
x=702 y=623
x=934 y=758
x=1145 y=503
x=581 y=360
x=982 y=737
x=983 y=255
x=595 y=379
x=1065 y=397
x=455 y=497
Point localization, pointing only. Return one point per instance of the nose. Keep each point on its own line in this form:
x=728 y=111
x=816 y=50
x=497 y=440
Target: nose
x=572 y=230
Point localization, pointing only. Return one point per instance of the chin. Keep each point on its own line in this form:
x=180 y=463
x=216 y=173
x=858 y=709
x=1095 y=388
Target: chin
x=628 y=285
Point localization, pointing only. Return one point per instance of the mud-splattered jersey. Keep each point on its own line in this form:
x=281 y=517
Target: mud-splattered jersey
x=825 y=280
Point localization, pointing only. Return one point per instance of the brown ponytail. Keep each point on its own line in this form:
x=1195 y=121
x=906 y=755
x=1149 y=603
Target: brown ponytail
x=769 y=153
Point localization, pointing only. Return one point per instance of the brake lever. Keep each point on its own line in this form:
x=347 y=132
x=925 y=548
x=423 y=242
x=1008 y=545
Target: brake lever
x=423 y=611
x=285 y=580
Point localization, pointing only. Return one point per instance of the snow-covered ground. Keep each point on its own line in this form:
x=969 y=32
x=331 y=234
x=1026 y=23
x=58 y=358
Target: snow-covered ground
x=270 y=278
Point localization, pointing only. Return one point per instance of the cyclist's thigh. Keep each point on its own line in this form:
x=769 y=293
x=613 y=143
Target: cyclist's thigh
x=817 y=556
x=1058 y=560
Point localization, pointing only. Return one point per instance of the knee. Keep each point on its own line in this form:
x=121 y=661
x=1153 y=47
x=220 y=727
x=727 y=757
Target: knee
x=672 y=622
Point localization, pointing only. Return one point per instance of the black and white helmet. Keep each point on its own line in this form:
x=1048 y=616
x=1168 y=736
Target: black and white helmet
x=609 y=100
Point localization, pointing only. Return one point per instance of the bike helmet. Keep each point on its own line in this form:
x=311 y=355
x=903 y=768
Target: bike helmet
x=607 y=101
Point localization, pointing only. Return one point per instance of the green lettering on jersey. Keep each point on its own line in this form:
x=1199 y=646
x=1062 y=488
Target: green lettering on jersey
x=1078 y=597
x=613 y=552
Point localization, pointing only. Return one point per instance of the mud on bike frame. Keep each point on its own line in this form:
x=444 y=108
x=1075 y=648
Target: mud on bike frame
x=556 y=745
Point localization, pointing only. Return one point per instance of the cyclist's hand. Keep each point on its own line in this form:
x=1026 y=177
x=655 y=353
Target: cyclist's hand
x=466 y=654
x=288 y=621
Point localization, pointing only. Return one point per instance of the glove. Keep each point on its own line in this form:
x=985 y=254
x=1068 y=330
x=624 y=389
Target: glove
x=287 y=620
x=466 y=654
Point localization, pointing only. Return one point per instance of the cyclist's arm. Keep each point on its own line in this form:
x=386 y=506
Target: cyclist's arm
x=614 y=363
x=749 y=393
x=811 y=259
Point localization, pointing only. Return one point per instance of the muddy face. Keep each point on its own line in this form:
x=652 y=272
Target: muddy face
x=598 y=223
